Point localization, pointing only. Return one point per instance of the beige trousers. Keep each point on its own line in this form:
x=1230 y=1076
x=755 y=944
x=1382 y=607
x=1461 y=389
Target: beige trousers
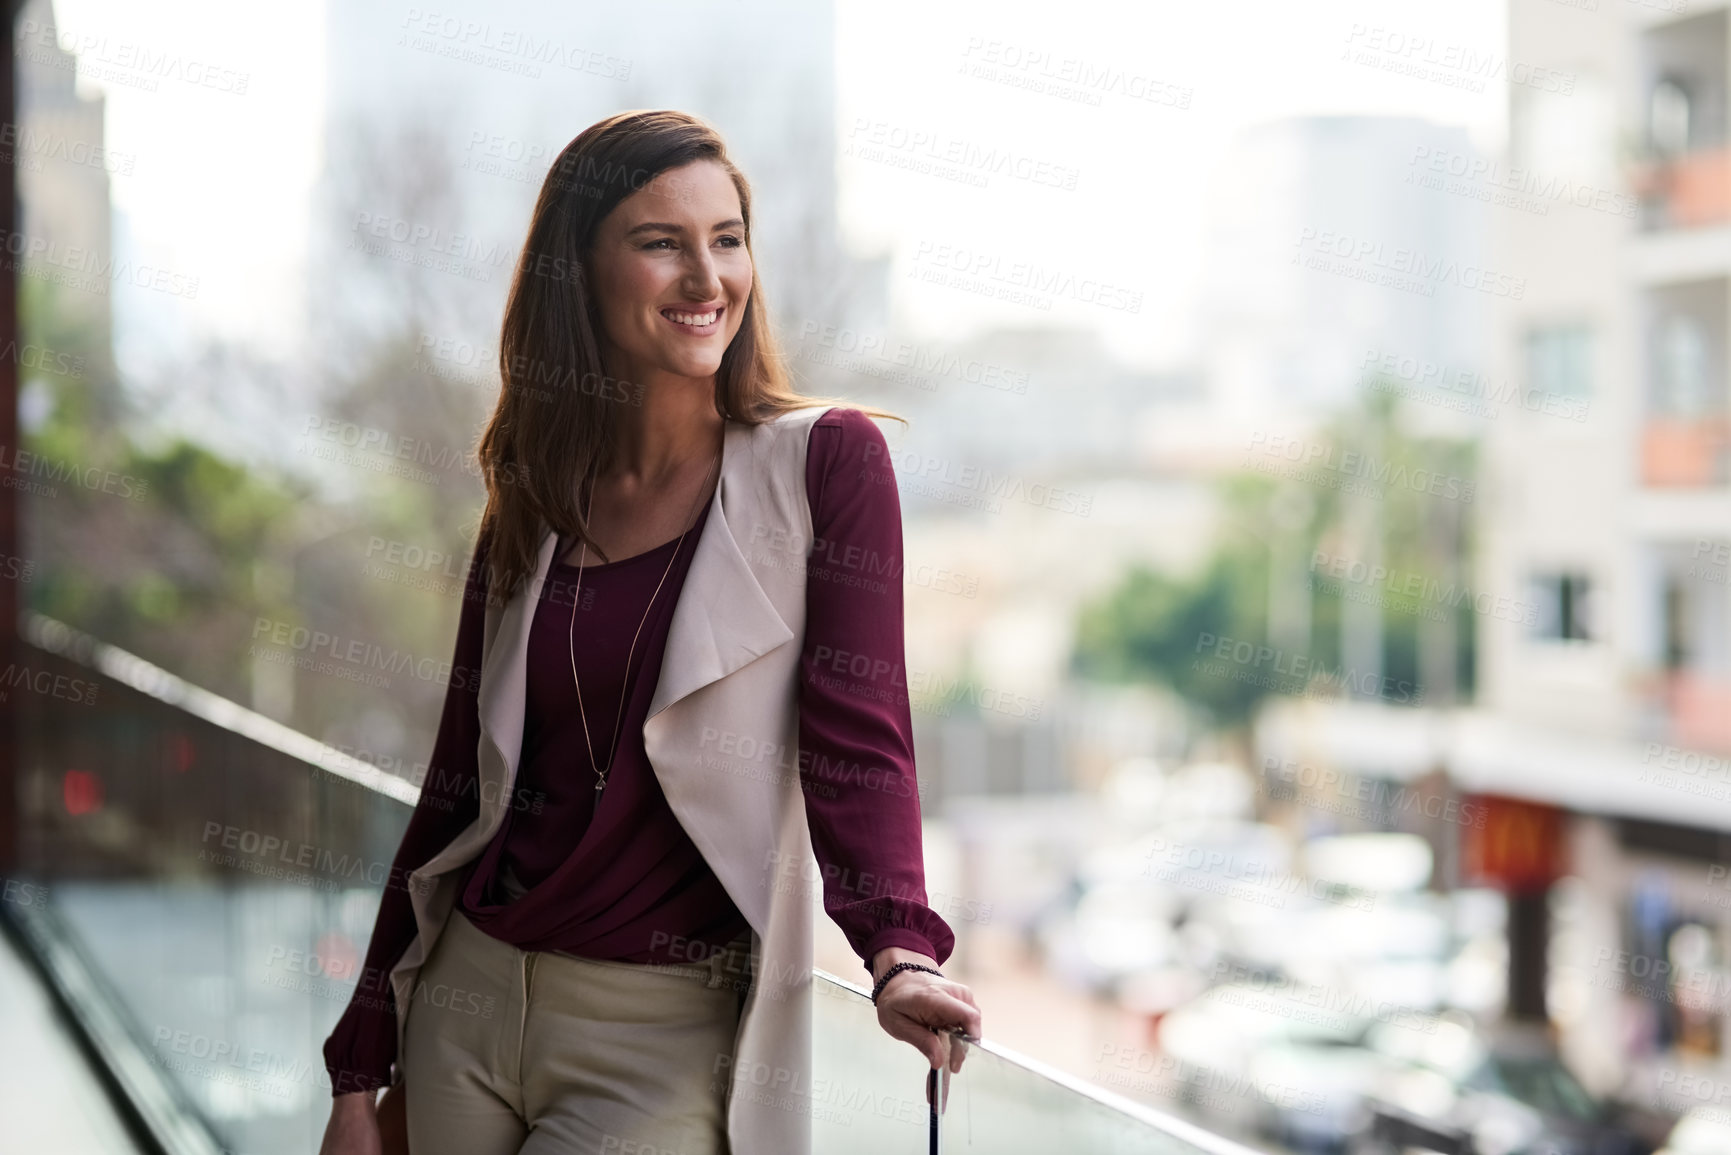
x=536 y=1052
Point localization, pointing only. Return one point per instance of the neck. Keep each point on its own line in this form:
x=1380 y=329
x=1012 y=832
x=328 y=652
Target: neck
x=677 y=424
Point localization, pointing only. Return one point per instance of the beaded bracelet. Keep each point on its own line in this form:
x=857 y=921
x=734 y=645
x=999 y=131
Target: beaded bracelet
x=897 y=969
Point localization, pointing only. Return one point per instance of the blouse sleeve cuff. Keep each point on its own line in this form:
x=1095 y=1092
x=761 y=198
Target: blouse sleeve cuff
x=900 y=936
x=873 y=924
x=346 y=1080
x=359 y=1052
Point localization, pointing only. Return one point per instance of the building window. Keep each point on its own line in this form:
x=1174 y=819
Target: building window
x=1674 y=615
x=1563 y=609
x=1559 y=361
x=1669 y=122
x=1682 y=385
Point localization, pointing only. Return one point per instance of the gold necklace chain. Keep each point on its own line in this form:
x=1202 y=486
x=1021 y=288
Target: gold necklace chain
x=624 y=688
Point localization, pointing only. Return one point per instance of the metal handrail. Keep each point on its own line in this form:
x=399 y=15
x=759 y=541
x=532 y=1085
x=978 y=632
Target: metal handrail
x=57 y=637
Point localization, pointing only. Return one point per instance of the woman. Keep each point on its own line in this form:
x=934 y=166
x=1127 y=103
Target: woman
x=677 y=714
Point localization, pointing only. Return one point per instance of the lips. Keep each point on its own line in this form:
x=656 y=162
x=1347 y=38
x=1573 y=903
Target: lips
x=698 y=320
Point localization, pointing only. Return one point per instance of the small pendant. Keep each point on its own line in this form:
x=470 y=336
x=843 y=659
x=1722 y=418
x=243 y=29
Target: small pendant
x=599 y=783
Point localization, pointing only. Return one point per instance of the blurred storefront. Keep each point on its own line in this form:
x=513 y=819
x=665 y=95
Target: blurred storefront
x=1612 y=859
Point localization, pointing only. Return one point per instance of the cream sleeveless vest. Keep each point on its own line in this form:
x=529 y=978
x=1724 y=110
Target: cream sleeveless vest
x=722 y=735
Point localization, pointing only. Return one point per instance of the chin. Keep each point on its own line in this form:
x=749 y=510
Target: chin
x=687 y=367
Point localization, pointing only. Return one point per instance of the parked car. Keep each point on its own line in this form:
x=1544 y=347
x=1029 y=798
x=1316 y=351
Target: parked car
x=1308 y=1074
x=1130 y=900
x=1271 y=1060
x=1512 y=1096
x=1702 y=1131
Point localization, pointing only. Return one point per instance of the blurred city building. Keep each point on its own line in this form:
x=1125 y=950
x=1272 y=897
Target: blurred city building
x=1599 y=748
x=59 y=148
x=1607 y=509
x=1286 y=344
x=1280 y=340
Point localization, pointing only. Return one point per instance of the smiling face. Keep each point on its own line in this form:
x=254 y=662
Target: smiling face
x=671 y=276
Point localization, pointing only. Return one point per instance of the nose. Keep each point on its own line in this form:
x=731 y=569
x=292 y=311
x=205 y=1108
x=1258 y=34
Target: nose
x=700 y=278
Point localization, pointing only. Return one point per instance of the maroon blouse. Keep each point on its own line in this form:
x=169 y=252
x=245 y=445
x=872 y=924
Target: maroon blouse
x=621 y=879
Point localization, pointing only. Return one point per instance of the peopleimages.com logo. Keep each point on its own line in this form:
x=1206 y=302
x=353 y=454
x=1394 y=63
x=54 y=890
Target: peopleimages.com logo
x=1366 y=259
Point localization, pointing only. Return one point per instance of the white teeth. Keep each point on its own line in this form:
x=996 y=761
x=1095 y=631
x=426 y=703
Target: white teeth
x=697 y=319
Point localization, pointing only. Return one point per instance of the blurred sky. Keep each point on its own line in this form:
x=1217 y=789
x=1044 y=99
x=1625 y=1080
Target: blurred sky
x=221 y=184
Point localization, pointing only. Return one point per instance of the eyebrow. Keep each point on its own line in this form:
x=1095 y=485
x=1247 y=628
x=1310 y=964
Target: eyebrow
x=649 y=226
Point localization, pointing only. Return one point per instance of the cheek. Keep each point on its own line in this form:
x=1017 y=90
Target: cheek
x=633 y=283
x=740 y=294
x=642 y=285
x=739 y=282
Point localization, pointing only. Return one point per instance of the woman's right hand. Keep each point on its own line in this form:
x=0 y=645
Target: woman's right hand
x=354 y=1125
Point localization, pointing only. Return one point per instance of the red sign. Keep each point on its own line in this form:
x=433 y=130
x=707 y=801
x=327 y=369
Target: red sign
x=1518 y=848
x=81 y=791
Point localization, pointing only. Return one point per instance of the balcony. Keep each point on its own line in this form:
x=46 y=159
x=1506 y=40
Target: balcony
x=1690 y=191
x=1696 y=709
x=207 y=982
x=1682 y=452
x=1684 y=179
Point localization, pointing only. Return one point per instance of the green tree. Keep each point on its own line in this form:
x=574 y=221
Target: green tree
x=1279 y=537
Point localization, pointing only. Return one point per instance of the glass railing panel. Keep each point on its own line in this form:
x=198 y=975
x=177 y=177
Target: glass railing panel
x=217 y=873
x=869 y=1092
x=870 y=1096
x=1008 y=1103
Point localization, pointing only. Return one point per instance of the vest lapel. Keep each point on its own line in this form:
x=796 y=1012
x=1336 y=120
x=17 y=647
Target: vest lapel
x=504 y=671
x=723 y=618
x=722 y=621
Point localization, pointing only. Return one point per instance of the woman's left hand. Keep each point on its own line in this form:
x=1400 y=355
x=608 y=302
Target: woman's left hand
x=922 y=1008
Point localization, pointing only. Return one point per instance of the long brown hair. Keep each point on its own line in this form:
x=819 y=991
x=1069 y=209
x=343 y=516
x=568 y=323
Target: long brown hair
x=555 y=417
